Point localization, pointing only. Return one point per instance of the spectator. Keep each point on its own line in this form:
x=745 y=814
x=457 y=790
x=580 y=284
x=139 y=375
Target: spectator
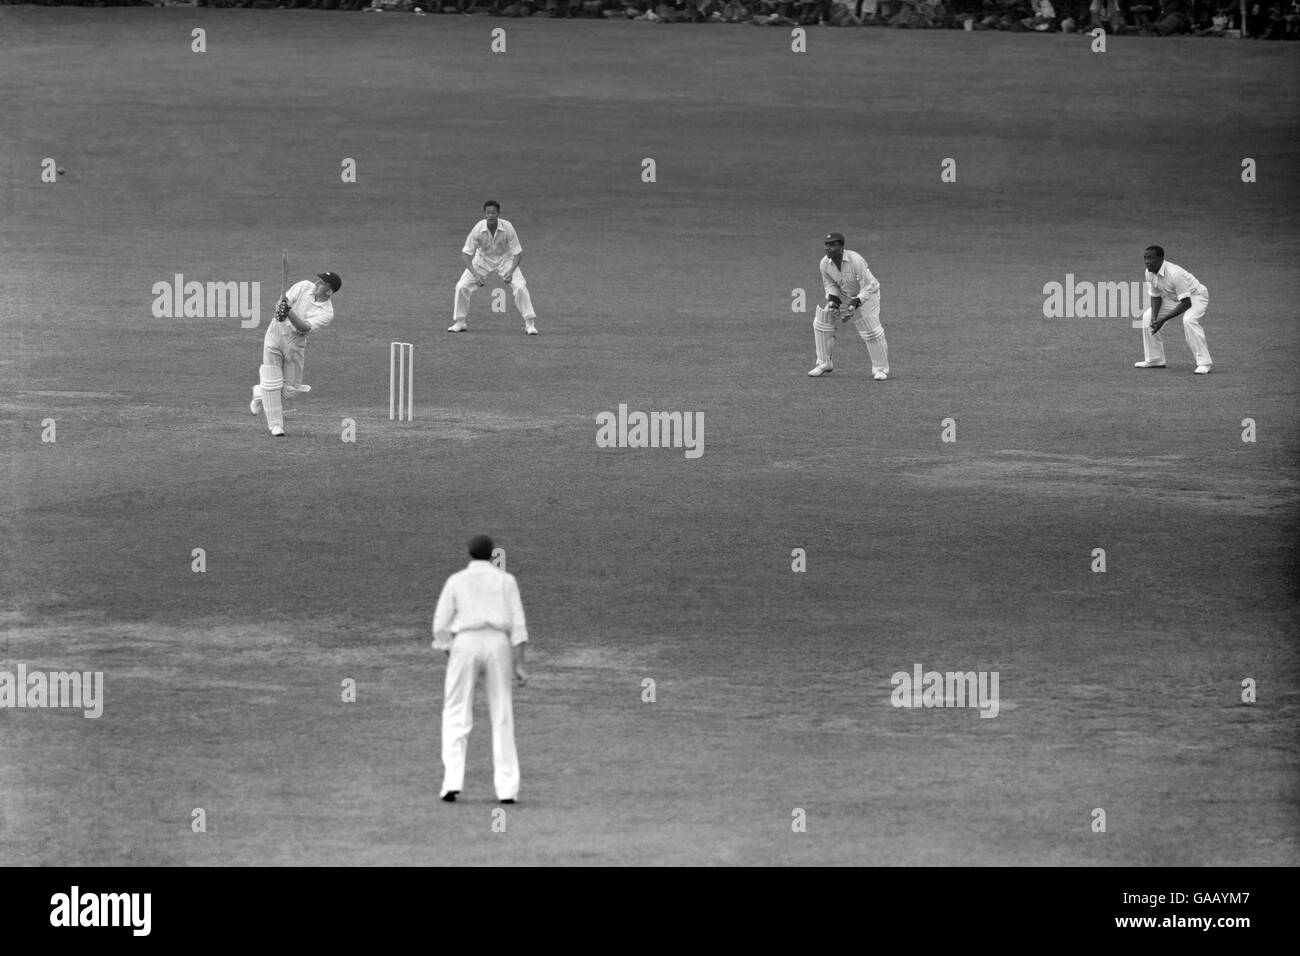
x=841 y=14
x=1216 y=20
x=1109 y=15
x=670 y=11
x=921 y=15
x=1276 y=27
x=1043 y=16
x=1142 y=13
x=737 y=11
x=1002 y=14
x=775 y=13
x=811 y=12
x=1172 y=18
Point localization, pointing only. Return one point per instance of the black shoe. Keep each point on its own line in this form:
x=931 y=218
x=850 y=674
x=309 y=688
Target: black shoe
x=505 y=801
x=450 y=796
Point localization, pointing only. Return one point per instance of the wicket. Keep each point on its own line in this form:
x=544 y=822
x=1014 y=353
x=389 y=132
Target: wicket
x=401 y=380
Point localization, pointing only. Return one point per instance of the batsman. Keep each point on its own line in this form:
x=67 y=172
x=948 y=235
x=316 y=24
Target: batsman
x=303 y=308
x=852 y=292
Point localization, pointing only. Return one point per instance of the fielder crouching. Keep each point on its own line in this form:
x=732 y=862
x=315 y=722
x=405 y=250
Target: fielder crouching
x=852 y=292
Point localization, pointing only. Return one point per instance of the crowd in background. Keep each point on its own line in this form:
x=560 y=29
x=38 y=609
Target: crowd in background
x=1265 y=19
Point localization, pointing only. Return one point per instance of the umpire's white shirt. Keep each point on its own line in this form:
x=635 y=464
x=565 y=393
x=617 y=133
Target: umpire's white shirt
x=478 y=597
x=491 y=251
x=851 y=279
x=1174 y=282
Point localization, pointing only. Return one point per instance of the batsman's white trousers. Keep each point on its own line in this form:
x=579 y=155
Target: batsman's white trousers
x=471 y=652
x=468 y=285
x=1154 y=347
x=284 y=349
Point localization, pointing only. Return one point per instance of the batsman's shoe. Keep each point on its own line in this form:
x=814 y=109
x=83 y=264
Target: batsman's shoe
x=255 y=406
x=1203 y=369
x=529 y=327
x=880 y=376
x=450 y=796
x=304 y=389
x=820 y=370
x=1148 y=364
x=457 y=327
x=277 y=431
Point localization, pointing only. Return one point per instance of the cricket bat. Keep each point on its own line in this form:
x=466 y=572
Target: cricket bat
x=284 y=286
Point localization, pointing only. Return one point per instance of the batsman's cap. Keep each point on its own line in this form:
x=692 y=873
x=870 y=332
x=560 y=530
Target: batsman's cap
x=834 y=237
x=331 y=279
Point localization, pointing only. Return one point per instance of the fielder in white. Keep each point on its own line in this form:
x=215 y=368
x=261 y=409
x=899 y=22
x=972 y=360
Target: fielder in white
x=306 y=307
x=479 y=623
x=1174 y=291
x=852 y=292
x=492 y=246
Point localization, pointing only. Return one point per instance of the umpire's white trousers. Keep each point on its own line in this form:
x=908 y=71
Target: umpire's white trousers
x=468 y=285
x=1154 y=347
x=471 y=652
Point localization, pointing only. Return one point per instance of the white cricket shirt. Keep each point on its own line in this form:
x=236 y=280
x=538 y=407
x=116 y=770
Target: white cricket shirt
x=479 y=596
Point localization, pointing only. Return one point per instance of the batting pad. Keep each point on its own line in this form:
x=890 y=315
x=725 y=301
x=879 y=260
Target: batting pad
x=823 y=335
x=878 y=348
x=272 y=383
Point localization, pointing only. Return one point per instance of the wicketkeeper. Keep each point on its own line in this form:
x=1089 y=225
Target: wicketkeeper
x=852 y=292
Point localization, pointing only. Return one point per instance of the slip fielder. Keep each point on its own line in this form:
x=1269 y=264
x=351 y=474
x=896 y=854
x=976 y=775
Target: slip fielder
x=1174 y=291
x=852 y=292
x=492 y=246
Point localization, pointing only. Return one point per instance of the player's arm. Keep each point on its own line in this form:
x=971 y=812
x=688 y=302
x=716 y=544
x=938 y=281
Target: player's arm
x=514 y=264
x=469 y=264
x=518 y=631
x=868 y=284
x=518 y=656
x=1182 y=306
x=516 y=252
x=442 y=617
x=296 y=321
x=832 y=290
x=1156 y=302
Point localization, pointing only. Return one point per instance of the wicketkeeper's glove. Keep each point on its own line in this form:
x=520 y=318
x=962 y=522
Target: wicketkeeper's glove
x=282 y=309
